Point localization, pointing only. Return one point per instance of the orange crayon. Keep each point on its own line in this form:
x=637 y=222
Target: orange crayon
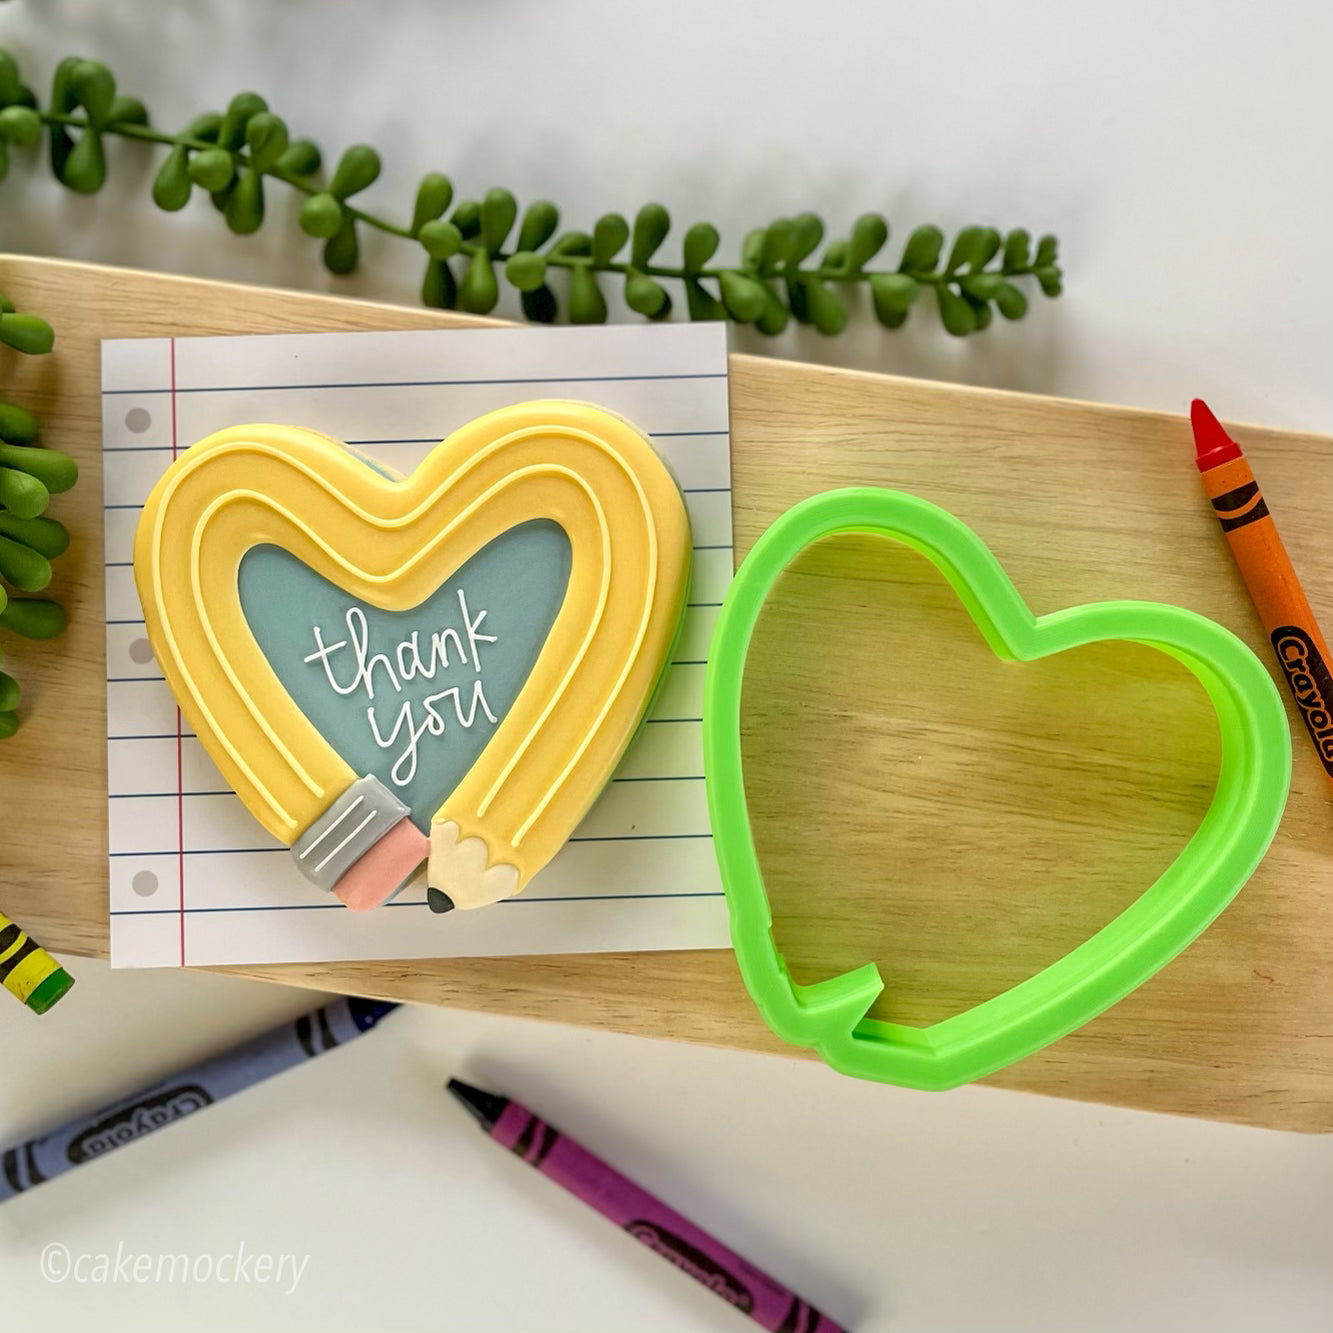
x=1274 y=588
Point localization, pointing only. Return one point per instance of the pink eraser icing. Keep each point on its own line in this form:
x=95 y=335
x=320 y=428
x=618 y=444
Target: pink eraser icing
x=384 y=867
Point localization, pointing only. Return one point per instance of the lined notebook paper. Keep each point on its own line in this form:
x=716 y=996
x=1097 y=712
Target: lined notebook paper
x=195 y=880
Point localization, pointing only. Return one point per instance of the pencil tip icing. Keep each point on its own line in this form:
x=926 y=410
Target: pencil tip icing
x=460 y=869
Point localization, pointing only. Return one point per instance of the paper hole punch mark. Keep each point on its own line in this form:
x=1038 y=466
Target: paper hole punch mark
x=138 y=419
x=144 y=883
x=141 y=651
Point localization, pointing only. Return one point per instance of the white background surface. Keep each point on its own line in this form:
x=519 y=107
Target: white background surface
x=1183 y=160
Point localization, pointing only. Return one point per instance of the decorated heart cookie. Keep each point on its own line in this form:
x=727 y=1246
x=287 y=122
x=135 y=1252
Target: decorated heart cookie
x=444 y=667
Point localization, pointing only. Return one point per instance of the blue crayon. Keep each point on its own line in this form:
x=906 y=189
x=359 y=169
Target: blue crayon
x=28 y=1164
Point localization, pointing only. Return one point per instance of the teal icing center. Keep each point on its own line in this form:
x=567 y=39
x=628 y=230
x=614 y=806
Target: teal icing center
x=412 y=697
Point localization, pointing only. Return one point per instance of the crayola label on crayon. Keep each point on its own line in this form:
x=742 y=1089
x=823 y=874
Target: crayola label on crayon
x=692 y=1260
x=1311 y=686
x=132 y=1122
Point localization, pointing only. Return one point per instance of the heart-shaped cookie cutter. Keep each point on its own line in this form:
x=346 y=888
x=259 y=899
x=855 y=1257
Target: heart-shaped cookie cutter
x=832 y=1016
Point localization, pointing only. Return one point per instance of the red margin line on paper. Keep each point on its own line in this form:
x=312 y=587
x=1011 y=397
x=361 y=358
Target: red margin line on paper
x=180 y=784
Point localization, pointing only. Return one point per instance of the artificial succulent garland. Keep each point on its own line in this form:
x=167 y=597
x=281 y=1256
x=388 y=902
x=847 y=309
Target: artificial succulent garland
x=234 y=154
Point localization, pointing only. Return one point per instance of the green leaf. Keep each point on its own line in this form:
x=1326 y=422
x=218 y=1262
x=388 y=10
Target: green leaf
x=301 y=158
x=958 y=317
x=776 y=247
x=20 y=565
x=26 y=333
x=441 y=239
x=45 y=535
x=1050 y=279
x=56 y=471
x=538 y=225
x=984 y=286
x=10 y=79
x=24 y=495
x=231 y=133
x=798 y=300
x=20 y=125
x=499 y=209
x=1045 y=256
x=645 y=295
x=828 y=311
x=892 y=295
x=807 y=232
x=981 y=310
x=573 y=244
x=479 y=291
x=701 y=303
x=922 y=251
x=85 y=167
x=526 y=270
x=245 y=209
x=206 y=127
x=172 y=184
x=752 y=247
x=587 y=305
x=33 y=617
x=434 y=195
x=357 y=170
x=9 y=724
x=213 y=168
x=4 y=159
x=651 y=225
x=219 y=198
x=127 y=111
x=321 y=215
x=869 y=233
x=540 y=306
x=63 y=101
x=609 y=235
x=9 y=695
x=342 y=249
x=1011 y=302
x=699 y=247
x=17 y=424
x=743 y=296
x=95 y=88
x=836 y=256
x=774 y=317
x=266 y=138
x=974 y=248
x=467 y=218
x=1016 y=250
x=439 y=288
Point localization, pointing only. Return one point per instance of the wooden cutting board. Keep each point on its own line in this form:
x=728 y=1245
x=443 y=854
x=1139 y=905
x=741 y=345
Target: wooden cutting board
x=961 y=821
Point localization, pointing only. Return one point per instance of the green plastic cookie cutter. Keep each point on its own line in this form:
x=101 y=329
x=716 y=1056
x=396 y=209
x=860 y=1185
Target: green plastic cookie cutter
x=1252 y=782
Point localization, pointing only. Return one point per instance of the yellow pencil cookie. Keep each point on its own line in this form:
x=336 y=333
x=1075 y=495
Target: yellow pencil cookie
x=444 y=667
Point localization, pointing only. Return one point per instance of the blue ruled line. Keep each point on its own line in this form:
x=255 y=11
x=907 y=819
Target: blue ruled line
x=425 y=384
x=268 y=851
x=521 y=900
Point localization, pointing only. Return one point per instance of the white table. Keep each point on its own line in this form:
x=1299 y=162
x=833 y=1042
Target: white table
x=1181 y=159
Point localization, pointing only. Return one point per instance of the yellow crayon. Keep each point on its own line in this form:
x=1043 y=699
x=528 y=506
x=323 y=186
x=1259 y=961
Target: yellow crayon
x=28 y=970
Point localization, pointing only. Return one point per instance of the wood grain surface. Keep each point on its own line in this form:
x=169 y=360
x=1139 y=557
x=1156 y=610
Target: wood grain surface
x=959 y=820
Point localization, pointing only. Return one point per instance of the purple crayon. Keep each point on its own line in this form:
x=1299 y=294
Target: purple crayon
x=647 y=1219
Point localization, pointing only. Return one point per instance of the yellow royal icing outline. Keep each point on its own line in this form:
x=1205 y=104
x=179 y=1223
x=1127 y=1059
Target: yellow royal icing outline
x=589 y=471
